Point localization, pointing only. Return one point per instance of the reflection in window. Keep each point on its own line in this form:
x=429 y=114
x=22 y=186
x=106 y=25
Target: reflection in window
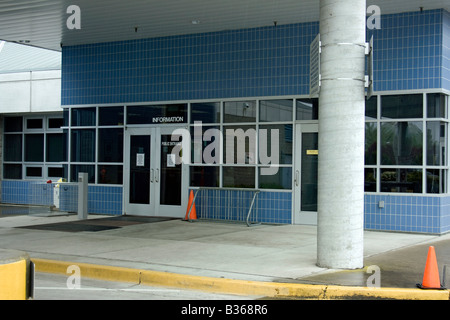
x=208 y=112
x=34 y=172
x=34 y=147
x=371 y=108
x=34 y=123
x=204 y=176
x=13 y=124
x=436 y=181
x=240 y=111
x=238 y=177
x=83 y=117
x=283 y=143
x=402 y=106
x=401 y=143
x=240 y=145
x=401 y=180
x=56 y=147
x=307 y=109
x=110 y=174
x=436 y=143
x=205 y=144
x=110 y=145
x=435 y=105
x=371 y=144
x=370 y=179
x=275 y=110
x=89 y=169
x=83 y=145
x=281 y=180
x=12 y=171
x=110 y=116
x=13 y=147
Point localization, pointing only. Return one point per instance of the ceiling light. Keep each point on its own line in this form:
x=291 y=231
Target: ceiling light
x=196 y=21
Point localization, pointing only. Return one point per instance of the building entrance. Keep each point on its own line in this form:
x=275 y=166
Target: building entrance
x=306 y=174
x=155 y=184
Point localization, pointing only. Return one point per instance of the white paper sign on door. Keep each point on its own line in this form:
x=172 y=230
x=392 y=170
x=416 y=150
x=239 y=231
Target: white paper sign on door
x=140 y=159
x=170 y=160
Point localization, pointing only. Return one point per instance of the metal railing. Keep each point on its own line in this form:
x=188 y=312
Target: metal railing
x=232 y=197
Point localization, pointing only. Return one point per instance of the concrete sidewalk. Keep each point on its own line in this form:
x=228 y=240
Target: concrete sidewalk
x=266 y=260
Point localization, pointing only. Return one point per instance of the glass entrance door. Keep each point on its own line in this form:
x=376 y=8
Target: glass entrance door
x=155 y=182
x=172 y=184
x=306 y=174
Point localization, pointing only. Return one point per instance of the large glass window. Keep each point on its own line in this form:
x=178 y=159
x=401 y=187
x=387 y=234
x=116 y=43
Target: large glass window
x=240 y=111
x=56 y=147
x=307 y=109
x=402 y=106
x=239 y=177
x=406 y=148
x=83 y=145
x=13 y=147
x=371 y=143
x=249 y=147
x=34 y=147
x=110 y=116
x=83 y=117
x=401 y=180
x=275 y=110
x=110 y=145
x=437 y=143
x=401 y=143
x=208 y=112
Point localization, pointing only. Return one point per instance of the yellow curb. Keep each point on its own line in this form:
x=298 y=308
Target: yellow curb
x=14 y=275
x=238 y=287
x=100 y=272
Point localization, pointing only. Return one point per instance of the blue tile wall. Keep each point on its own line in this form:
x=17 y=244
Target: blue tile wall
x=263 y=61
x=446 y=51
x=419 y=214
x=408 y=51
x=105 y=200
x=266 y=61
x=233 y=205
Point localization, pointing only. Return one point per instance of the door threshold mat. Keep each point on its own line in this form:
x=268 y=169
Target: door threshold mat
x=94 y=225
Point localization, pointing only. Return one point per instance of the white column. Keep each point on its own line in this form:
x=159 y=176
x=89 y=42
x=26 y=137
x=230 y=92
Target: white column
x=341 y=135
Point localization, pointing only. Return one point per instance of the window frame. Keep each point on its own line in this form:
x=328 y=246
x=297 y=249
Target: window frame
x=424 y=167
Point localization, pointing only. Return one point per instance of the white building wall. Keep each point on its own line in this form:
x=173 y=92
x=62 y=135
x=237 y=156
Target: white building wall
x=36 y=91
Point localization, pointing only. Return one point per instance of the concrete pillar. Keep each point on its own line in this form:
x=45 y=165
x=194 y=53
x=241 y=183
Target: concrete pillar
x=341 y=135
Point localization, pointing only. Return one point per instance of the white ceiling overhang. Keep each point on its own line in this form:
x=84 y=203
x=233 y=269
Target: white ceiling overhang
x=42 y=23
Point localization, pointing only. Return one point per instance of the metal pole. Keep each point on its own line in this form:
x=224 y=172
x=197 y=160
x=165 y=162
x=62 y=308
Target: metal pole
x=82 y=196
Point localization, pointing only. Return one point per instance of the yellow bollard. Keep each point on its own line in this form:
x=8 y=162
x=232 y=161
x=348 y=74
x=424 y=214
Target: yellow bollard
x=15 y=275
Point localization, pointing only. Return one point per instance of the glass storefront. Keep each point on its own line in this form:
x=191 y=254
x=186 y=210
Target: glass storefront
x=233 y=142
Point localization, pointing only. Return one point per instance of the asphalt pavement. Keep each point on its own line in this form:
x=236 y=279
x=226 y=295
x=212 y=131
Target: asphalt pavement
x=221 y=257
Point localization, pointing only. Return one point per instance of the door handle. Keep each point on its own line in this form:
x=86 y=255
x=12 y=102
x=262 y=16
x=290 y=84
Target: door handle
x=151 y=175
x=157 y=175
x=296 y=178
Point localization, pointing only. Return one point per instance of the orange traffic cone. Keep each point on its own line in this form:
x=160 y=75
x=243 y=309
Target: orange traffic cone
x=193 y=215
x=431 y=275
